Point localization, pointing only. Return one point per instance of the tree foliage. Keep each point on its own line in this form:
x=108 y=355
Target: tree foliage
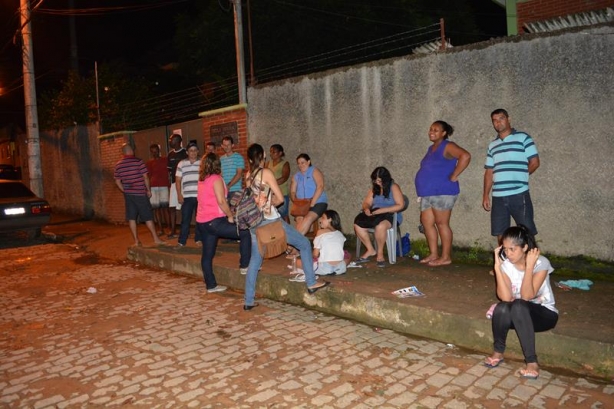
x=290 y=33
x=121 y=92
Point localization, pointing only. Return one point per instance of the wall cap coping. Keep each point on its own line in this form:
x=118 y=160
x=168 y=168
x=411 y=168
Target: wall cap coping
x=223 y=110
x=114 y=134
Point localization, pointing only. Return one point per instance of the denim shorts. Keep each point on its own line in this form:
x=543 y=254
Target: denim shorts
x=327 y=269
x=519 y=207
x=442 y=202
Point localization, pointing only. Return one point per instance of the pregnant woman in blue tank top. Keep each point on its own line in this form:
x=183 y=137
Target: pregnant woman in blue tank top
x=437 y=187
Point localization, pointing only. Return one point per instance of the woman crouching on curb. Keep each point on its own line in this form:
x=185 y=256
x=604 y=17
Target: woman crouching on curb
x=527 y=302
x=263 y=182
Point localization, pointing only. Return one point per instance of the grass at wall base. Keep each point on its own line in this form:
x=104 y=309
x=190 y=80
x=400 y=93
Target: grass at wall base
x=576 y=267
x=572 y=268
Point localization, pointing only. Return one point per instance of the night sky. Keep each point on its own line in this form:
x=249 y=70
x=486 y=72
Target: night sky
x=139 y=36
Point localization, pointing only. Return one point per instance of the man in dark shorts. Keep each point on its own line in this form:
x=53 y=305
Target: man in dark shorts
x=132 y=179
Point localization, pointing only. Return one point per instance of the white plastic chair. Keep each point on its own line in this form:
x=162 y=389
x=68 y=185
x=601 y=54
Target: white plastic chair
x=393 y=236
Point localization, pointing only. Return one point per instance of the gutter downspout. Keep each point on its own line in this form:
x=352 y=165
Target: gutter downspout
x=511 y=17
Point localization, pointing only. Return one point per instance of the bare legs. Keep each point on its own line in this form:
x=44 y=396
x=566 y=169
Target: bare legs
x=135 y=234
x=161 y=216
x=173 y=220
x=303 y=224
x=437 y=224
x=380 y=238
x=150 y=226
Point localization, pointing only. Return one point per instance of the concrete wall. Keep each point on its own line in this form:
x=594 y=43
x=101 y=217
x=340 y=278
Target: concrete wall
x=558 y=88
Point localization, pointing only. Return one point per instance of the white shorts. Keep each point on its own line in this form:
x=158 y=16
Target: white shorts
x=159 y=197
x=173 y=201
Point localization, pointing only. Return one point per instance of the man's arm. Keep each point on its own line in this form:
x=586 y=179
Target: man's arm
x=147 y=186
x=236 y=177
x=179 y=189
x=487 y=187
x=533 y=164
x=119 y=185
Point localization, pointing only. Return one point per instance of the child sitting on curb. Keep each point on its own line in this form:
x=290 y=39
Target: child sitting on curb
x=328 y=250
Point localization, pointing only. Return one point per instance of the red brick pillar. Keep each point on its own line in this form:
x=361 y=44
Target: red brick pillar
x=110 y=153
x=231 y=121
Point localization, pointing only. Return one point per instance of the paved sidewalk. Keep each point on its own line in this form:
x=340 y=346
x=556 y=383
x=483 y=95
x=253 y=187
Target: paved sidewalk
x=150 y=338
x=453 y=310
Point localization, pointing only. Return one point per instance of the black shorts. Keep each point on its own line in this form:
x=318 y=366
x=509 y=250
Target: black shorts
x=369 y=222
x=319 y=209
x=138 y=206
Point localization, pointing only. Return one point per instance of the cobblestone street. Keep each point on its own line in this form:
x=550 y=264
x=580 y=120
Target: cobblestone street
x=79 y=331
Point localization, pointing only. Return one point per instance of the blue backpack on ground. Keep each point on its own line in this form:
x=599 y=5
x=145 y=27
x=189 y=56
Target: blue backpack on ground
x=405 y=247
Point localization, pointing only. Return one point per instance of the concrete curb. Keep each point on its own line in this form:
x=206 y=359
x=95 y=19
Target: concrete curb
x=555 y=350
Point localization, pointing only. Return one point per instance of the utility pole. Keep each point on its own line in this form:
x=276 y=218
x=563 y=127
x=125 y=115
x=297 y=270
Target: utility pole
x=239 y=51
x=252 y=78
x=29 y=89
x=74 y=58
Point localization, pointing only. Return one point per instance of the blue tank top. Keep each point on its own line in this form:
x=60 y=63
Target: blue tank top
x=433 y=177
x=380 y=201
x=306 y=186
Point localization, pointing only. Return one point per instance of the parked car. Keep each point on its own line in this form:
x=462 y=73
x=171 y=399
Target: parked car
x=22 y=210
x=8 y=172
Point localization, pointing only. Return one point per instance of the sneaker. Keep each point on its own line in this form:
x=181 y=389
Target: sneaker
x=218 y=289
x=179 y=247
x=243 y=271
x=198 y=243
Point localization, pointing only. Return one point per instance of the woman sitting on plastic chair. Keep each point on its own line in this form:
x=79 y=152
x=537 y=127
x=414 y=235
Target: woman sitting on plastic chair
x=382 y=201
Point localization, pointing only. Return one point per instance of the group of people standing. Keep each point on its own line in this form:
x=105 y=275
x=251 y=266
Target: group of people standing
x=205 y=184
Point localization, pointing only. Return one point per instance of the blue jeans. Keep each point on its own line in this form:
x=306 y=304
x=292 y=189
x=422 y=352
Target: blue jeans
x=294 y=239
x=211 y=231
x=519 y=207
x=283 y=209
x=188 y=207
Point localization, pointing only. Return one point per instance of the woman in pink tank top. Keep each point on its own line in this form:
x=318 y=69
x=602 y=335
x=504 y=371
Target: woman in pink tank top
x=215 y=220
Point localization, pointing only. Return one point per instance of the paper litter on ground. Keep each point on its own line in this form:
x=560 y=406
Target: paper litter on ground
x=354 y=265
x=408 y=292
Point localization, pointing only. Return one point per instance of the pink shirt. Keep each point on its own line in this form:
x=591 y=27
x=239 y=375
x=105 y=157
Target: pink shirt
x=208 y=209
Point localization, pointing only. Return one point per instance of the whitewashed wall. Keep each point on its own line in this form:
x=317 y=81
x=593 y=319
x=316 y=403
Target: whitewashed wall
x=558 y=88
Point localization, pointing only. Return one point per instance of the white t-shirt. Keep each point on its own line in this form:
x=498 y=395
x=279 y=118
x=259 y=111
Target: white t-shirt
x=544 y=296
x=330 y=245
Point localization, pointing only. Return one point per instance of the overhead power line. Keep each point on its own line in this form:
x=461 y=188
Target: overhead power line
x=97 y=11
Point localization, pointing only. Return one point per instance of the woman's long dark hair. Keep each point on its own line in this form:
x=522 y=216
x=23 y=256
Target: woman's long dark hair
x=255 y=155
x=387 y=181
x=209 y=165
x=335 y=220
x=520 y=235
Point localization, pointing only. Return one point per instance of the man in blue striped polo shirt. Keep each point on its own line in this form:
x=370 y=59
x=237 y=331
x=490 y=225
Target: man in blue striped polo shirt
x=132 y=179
x=511 y=158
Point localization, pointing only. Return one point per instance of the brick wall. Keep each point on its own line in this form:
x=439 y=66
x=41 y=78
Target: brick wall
x=110 y=153
x=535 y=10
x=237 y=113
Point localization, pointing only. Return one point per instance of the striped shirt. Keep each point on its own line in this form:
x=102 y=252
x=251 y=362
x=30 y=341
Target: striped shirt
x=188 y=172
x=230 y=164
x=509 y=158
x=130 y=170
